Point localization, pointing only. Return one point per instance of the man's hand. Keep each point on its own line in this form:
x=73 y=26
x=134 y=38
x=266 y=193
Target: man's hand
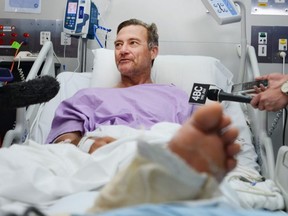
x=270 y=98
x=99 y=142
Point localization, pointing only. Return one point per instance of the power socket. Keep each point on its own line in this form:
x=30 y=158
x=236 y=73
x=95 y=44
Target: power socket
x=262 y=50
x=282 y=44
x=262 y=38
x=45 y=36
x=65 y=39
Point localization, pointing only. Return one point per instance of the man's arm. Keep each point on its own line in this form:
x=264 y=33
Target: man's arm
x=75 y=137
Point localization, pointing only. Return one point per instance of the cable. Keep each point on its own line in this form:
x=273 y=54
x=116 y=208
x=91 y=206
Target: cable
x=275 y=122
x=283 y=56
x=55 y=55
x=21 y=73
x=64 y=56
x=78 y=61
x=16 y=52
x=284 y=126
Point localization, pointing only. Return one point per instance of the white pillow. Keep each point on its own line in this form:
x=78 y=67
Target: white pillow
x=105 y=72
x=181 y=70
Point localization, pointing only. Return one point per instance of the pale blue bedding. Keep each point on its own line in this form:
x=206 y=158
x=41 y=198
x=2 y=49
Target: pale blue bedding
x=184 y=210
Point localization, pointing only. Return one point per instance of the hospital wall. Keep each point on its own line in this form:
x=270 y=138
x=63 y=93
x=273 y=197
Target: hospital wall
x=184 y=26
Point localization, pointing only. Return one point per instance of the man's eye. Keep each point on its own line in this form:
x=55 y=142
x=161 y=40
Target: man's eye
x=117 y=44
x=134 y=43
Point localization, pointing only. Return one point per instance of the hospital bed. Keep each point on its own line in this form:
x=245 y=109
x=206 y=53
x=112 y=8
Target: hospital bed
x=34 y=123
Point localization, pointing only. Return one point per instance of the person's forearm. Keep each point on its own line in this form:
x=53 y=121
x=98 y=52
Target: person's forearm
x=72 y=137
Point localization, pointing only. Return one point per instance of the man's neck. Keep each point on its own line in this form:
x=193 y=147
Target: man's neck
x=124 y=83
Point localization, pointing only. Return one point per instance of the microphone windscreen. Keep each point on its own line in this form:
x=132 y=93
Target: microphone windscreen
x=22 y=94
x=213 y=94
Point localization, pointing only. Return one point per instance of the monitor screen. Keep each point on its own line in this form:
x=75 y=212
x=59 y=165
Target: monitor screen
x=72 y=8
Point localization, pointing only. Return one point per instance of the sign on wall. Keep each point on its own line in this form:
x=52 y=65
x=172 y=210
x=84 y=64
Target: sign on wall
x=24 y=6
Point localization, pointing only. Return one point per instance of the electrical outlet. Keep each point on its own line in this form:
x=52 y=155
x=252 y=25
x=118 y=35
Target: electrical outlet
x=262 y=38
x=282 y=44
x=65 y=39
x=45 y=36
x=262 y=50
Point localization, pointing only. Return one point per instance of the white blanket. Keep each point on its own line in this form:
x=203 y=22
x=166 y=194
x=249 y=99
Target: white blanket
x=40 y=175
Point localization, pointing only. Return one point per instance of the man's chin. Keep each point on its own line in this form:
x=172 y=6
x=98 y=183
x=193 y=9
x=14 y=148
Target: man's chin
x=124 y=69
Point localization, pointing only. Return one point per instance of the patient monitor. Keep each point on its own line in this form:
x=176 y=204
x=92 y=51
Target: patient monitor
x=223 y=11
x=80 y=18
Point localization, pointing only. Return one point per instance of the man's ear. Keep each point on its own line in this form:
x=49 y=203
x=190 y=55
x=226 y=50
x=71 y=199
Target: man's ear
x=154 y=52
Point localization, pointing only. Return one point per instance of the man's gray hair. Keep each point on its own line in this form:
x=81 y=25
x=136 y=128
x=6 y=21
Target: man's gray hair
x=152 y=30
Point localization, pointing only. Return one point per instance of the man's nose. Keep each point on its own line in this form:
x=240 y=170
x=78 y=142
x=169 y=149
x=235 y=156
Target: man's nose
x=124 y=48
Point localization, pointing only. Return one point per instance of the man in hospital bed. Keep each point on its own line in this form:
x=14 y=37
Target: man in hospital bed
x=135 y=101
x=211 y=152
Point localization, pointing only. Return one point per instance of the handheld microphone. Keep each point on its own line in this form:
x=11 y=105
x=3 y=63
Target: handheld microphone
x=22 y=94
x=200 y=92
x=220 y=95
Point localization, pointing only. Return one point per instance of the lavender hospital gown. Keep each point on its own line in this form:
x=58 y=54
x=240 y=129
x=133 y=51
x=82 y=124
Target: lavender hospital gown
x=139 y=106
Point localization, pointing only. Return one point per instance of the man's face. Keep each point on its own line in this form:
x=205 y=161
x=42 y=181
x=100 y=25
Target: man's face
x=132 y=55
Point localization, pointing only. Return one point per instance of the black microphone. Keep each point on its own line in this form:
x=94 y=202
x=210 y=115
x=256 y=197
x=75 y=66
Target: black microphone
x=22 y=94
x=220 y=95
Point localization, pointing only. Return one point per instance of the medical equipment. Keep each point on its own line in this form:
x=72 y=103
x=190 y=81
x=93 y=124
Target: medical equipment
x=224 y=12
x=25 y=56
x=80 y=18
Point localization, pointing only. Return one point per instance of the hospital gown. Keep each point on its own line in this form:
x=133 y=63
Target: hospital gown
x=139 y=106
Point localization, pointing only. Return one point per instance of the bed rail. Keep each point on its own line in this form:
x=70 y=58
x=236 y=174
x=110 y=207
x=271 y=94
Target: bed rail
x=23 y=115
x=262 y=142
